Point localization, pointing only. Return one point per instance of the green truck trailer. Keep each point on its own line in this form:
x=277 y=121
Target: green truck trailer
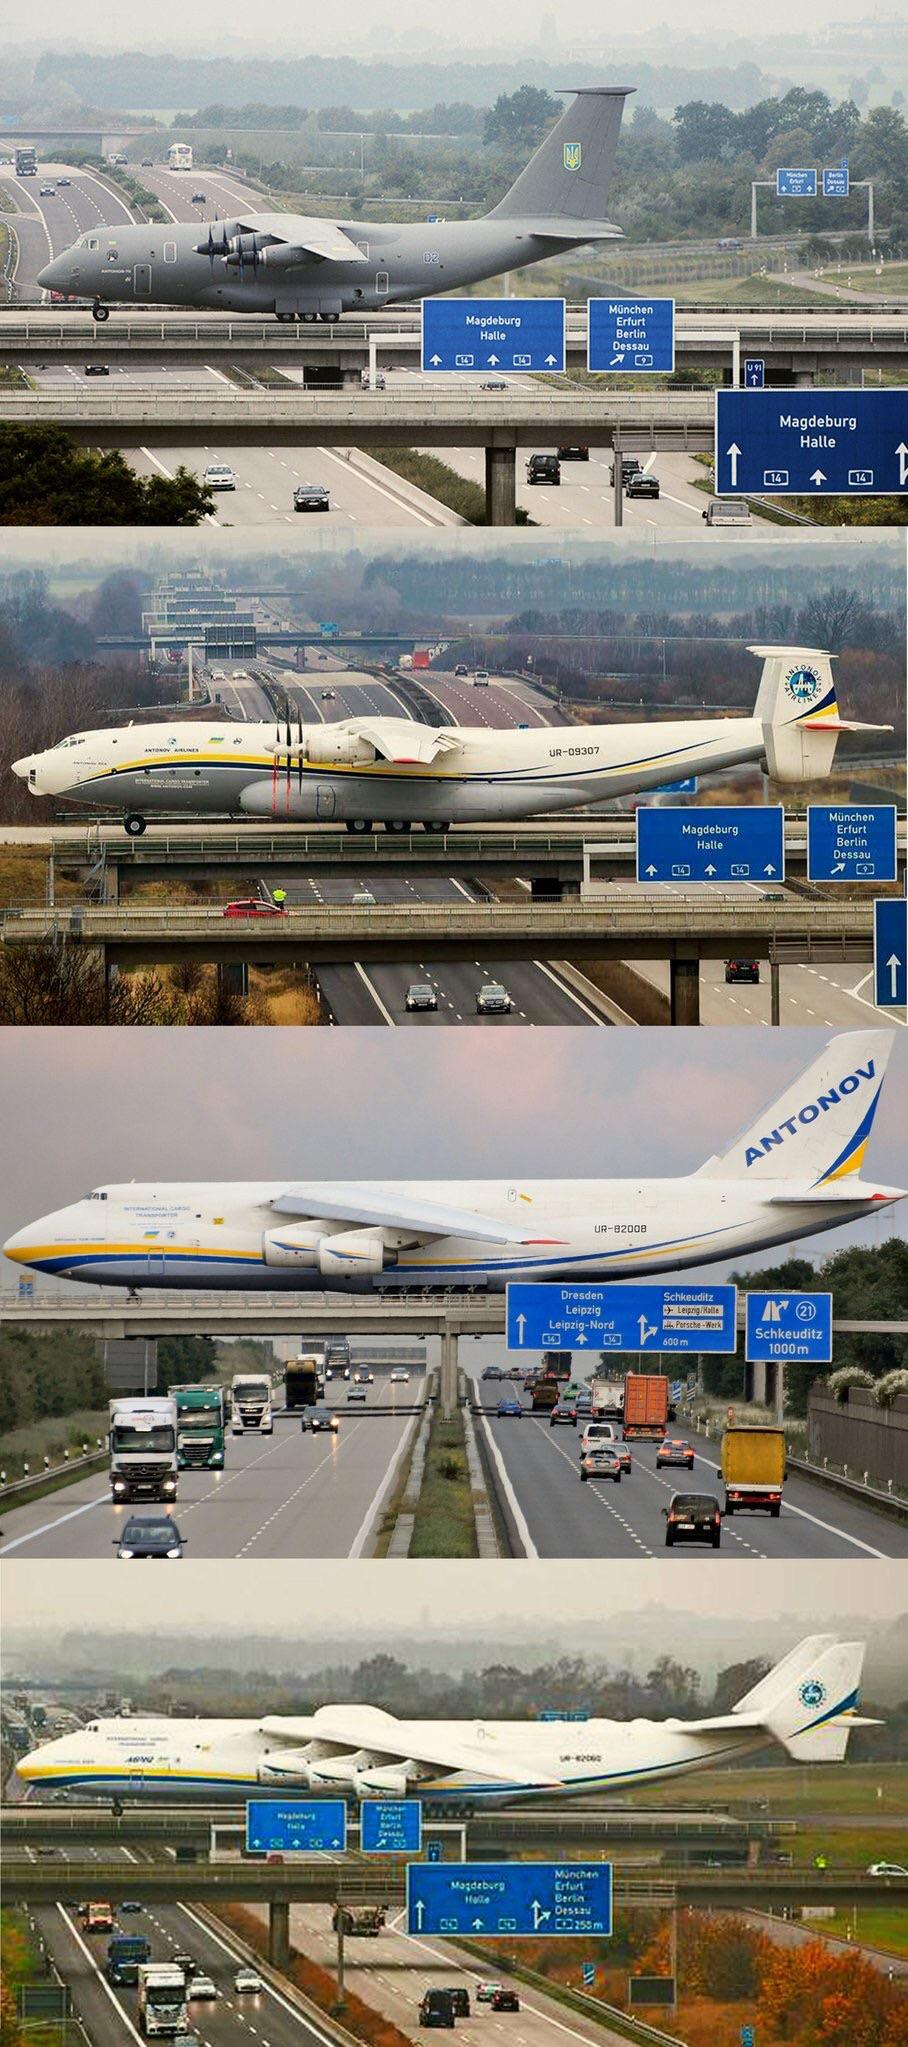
x=200 y=1427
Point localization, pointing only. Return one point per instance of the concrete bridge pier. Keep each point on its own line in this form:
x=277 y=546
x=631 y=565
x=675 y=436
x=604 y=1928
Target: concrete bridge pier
x=501 y=485
x=448 y=1374
x=233 y=976
x=279 y=1933
x=685 y=989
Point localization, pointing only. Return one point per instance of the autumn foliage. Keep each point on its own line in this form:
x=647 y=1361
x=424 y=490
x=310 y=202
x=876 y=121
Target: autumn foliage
x=318 y=1985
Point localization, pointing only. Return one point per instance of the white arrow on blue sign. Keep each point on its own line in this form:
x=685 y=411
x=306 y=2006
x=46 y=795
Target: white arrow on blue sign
x=796 y=182
x=835 y=182
x=811 y=443
x=491 y=1898
x=788 y=1326
x=622 y=1318
x=890 y=952
x=493 y=335
x=713 y=845
x=851 y=842
x=315 y=1824
x=628 y=336
x=754 y=372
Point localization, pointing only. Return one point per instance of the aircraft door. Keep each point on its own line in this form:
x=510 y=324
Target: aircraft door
x=382 y=283
x=325 y=800
x=141 y=280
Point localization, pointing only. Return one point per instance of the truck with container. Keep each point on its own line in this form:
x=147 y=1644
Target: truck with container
x=200 y=1427
x=304 y=1380
x=125 y=1953
x=365 y=1920
x=26 y=162
x=753 y=1468
x=607 y=1397
x=645 y=1411
x=162 y=1999
x=545 y=1393
x=250 y=1403
x=142 y=1444
x=337 y=1354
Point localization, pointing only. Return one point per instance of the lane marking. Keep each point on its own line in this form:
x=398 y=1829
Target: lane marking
x=529 y=1546
x=48 y=1526
x=122 y=2015
x=373 y=991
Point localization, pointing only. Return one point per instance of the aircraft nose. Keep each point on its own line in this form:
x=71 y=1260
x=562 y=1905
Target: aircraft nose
x=55 y=275
x=25 y=767
x=20 y=1247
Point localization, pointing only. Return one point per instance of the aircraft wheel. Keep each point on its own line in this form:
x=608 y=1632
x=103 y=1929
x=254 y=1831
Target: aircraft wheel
x=397 y=824
x=437 y=824
x=99 y=312
x=359 y=824
x=134 y=825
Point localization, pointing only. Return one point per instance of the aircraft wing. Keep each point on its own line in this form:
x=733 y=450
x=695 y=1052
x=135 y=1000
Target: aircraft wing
x=393 y=1209
x=367 y=1731
x=300 y=231
x=404 y=742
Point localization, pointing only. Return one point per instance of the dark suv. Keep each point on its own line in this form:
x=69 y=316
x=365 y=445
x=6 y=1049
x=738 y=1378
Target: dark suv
x=436 y=2009
x=543 y=469
x=694 y=1517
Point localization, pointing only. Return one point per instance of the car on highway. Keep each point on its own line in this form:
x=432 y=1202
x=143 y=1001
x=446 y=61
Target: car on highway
x=673 y=1450
x=363 y=1378
x=311 y=497
x=328 y=696
x=183 y=2039
x=727 y=512
x=742 y=970
x=436 y=2009
x=509 y=1408
x=630 y=465
x=563 y=1411
x=63 y=181
x=504 y=1999
x=643 y=484
x=356 y=1392
x=601 y=1460
x=480 y=678
x=148 y=163
x=199 y=199
x=131 y=1905
x=598 y=1432
x=493 y=384
x=399 y=1377
x=254 y=906
x=182 y=1959
x=219 y=476
x=318 y=1421
x=577 y=453
x=149 y=1535
x=96 y=369
x=543 y=469
x=47 y=191
x=247 y=1982
x=363 y=896
x=460 y=1999
x=693 y=1517
x=493 y=1372
x=886 y=1869
x=366 y=382
x=493 y=1000
x=202 y=1986
x=421 y=995
x=485 y=1991
x=461 y=671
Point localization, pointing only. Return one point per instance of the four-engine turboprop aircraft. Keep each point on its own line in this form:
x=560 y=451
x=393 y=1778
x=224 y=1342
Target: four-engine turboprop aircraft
x=300 y=267
x=807 y=1704
x=794 y=1171
x=404 y=773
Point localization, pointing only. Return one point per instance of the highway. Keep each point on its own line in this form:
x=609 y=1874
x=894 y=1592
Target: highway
x=290 y=1494
x=538 y=1466
x=44 y=227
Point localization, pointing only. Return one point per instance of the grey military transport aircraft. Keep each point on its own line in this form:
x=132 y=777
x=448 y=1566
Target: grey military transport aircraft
x=304 y=268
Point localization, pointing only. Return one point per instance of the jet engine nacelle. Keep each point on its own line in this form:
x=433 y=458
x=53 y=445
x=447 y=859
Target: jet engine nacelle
x=351 y=1253
x=298 y=1244
x=286 y=1766
x=326 y=743
x=391 y=1781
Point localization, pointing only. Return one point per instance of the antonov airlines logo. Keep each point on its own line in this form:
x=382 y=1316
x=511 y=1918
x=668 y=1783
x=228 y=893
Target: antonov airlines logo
x=573 y=156
x=809 y=1113
x=802 y=685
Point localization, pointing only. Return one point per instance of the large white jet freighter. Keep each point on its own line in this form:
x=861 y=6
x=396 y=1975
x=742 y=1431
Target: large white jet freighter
x=392 y=770
x=794 y=1171
x=807 y=1704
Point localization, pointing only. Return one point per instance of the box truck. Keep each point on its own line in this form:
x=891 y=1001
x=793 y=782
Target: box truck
x=645 y=1410
x=753 y=1467
x=142 y=1442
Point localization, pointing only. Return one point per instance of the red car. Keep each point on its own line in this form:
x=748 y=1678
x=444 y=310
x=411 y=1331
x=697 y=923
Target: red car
x=672 y=1451
x=254 y=906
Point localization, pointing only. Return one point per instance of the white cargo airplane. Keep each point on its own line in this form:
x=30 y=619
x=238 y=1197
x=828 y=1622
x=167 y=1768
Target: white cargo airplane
x=796 y=1170
x=808 y=1704
x=401 y=773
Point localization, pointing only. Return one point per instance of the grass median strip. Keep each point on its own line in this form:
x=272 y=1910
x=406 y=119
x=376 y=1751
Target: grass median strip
x=441 y=482
x=445 y=1523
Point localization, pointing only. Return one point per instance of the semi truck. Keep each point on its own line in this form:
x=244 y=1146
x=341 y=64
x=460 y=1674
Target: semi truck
x=200 y=1427
x=365 y=1920
x=125 y=1953
x=26 y=162
x=753 y=1467
x=142 y=1441
x=645 y=1412
x=337 y=1354
x=162 y=1999
x=304 y=1380
x=607 y=1397
x=98 y=1916
x=545 y=1392
x=250 y=1403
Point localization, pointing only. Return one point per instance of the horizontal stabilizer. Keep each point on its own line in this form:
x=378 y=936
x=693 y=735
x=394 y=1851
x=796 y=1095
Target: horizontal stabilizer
x=559 y=230
x=394 y=1209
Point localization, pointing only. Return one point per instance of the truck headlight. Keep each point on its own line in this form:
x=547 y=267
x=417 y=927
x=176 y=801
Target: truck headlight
x=119 y=1485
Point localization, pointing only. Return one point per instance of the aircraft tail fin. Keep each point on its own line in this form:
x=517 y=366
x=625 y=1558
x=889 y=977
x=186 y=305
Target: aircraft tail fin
x=797 y=706
x=808 y=1701
x=569 y=178
x=819 y=1128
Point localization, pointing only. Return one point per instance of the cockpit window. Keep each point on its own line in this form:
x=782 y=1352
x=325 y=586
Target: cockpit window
x=97 y=1194
x=74 y=739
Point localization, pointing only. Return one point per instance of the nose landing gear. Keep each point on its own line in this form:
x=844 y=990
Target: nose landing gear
x=99 y=312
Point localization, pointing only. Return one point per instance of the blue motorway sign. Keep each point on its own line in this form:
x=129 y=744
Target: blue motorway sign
x=390 y=1826
x=510 y=1897
x=711 y=845
x=787 y=1326
x=316 y=1823
x=634 y=1318
x=796 y=183
x=811 y=443
x=492 y=334
x=754 y=372
x=433 y=1852
x=631 y=334
x=851 y=842
x=835 y=182
x=890 y=952
x=686 y=788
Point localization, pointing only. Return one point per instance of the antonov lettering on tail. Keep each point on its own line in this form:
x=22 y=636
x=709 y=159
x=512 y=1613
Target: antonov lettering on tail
x=793 y=1172
x=304 y=268
x=808 y=1704
x=395 y=770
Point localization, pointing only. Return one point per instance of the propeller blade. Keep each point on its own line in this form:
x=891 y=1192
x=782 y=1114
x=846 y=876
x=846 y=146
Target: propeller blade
x=299 y=761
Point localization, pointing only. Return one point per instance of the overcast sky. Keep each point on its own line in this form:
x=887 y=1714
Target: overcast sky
x=80 y=1107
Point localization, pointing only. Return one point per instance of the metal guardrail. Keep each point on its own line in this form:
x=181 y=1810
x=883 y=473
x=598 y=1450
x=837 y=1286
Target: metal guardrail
x=564 y=921
x=10 y=1488
x=808 y=327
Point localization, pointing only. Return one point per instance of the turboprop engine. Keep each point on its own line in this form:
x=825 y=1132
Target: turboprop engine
x=323 y=743
x=331 y=1253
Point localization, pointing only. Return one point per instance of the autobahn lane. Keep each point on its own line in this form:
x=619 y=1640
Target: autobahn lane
x=585 y=496
x=290 y=1494
x=47 y=225
x=266 y=480
x=603 y=1519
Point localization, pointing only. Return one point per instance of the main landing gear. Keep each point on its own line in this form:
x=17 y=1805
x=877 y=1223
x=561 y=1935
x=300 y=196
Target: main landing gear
x=399 y=824
x=133 y=824
x=99 y=312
